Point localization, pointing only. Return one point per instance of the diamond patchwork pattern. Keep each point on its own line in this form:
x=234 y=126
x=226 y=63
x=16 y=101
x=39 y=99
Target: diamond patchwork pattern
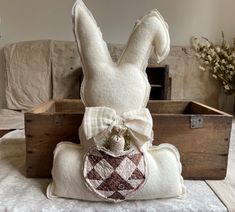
x=114 y=178
x=126 y=168
x=104 y=169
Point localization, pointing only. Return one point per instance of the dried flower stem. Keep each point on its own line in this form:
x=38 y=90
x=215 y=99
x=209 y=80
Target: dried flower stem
x=219 y=60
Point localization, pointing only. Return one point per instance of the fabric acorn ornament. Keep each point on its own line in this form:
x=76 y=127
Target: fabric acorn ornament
x=117 y=140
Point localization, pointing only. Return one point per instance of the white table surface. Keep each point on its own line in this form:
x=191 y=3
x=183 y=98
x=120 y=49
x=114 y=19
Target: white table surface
x=18 y=193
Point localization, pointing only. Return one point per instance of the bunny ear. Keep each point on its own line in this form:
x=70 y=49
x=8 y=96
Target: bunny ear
x=91 y=46
x=149 y=32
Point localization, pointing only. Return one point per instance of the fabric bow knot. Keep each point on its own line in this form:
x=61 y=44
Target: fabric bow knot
x=99 y=120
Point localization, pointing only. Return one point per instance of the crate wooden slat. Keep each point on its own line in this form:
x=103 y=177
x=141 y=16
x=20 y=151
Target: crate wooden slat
x=44 y=128
x=204 y=150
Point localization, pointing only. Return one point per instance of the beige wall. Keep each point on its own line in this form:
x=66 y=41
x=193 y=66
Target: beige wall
x=34 y=19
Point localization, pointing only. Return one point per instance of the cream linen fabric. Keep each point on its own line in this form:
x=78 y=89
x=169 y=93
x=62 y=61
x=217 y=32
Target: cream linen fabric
x=164 y=179
x=28 y=74
x=122 y=86
x=66 y=70
x=101 y=120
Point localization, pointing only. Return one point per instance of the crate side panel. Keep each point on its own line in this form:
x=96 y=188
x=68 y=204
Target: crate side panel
x=69 y=106
x=204 y=166
x=202 y=149
x=43 y=133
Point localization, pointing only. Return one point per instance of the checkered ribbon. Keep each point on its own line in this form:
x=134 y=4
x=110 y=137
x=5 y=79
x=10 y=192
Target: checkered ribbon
x=102 y=119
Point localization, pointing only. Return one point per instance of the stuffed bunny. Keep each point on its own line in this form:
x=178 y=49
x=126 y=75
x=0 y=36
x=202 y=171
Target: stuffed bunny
x=126 y=81
x=115 y=160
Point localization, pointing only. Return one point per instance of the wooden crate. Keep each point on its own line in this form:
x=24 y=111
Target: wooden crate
x=201 y=134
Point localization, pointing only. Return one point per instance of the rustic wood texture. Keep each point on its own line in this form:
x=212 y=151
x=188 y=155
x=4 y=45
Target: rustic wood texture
x=197 y=108
x=44 y=108
x=167 y=107
x=43 y=132
x=69 y=106
x=225 y=189
x=204 y=151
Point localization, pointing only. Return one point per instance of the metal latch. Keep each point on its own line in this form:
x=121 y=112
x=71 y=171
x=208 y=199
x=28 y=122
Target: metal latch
x=196 y=122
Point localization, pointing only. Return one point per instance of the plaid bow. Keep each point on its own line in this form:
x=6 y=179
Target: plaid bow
x=99 y=120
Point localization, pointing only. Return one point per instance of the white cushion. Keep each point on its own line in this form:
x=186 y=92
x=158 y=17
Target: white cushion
x=163 y=181
x=122 y=86
x=28 y=74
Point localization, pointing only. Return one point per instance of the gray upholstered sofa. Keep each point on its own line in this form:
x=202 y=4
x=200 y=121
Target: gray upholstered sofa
x=37 y=71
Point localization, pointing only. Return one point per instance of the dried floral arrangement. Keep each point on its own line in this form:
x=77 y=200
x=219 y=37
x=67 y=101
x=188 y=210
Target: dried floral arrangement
x=219 y=60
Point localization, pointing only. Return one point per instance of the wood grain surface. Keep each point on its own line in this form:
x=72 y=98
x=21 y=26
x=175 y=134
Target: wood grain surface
x=204 y=151
x=225 y=189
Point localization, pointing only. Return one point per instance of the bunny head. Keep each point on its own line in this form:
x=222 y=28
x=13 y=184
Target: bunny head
x=122 y=86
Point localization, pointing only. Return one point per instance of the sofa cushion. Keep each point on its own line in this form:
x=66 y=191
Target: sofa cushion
x=28 y=74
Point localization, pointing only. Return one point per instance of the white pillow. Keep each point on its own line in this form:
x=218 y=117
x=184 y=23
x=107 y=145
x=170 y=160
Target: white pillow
x=164 y=176
x=122 y=86
x=28 y=74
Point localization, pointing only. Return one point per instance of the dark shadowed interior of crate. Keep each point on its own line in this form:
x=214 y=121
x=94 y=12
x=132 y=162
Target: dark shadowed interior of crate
x=155 y=107
x=181 y=107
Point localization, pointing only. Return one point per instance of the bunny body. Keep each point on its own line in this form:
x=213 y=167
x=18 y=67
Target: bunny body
x=164 y=180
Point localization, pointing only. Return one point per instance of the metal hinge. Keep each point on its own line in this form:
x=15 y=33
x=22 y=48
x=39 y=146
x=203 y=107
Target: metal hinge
x=196 y=122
